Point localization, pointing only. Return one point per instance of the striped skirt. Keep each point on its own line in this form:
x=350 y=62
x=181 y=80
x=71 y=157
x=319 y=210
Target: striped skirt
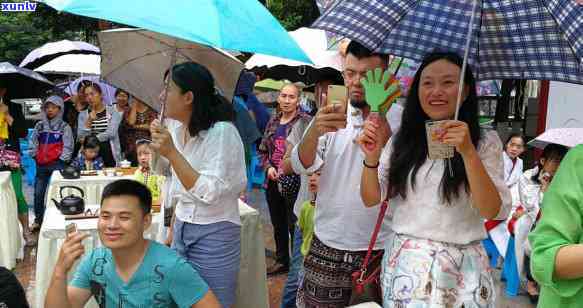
x=419 y=273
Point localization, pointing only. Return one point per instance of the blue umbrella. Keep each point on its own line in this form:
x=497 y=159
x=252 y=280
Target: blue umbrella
x=514 y=39
x=243 y=25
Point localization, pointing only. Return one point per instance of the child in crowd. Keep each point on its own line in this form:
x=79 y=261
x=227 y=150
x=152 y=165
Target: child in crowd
x=306 y=219
x=89 y=158
x=51 y=145
x=532 y=186
x=143 y=174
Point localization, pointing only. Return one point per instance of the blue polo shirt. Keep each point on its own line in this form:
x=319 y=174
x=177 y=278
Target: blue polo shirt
x=164 y=279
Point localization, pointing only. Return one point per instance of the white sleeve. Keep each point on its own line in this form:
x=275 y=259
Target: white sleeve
x=297 y=165
x=384 y=166
x=489 y=151
x=222 y=168
x=530 y=196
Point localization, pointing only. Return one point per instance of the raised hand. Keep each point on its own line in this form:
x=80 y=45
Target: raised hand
x=71 y=251
x=373 y=139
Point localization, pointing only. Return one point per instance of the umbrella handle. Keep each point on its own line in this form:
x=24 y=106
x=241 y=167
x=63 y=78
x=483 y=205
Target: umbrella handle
x=466 y=55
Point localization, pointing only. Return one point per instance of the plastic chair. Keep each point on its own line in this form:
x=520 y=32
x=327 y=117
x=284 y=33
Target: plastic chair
x=510 y=270
x=492 y=251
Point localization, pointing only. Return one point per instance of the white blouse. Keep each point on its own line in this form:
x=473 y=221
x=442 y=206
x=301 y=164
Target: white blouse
x=424 y=215
x=512 y=171
x=217 y=155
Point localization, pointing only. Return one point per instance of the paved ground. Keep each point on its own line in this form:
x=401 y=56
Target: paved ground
x=25 y=269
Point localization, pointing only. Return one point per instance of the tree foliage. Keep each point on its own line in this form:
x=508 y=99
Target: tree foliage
x=293 y=14
x=21 y=32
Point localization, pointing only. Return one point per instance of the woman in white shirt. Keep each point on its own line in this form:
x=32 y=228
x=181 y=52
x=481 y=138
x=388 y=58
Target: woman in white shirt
x=435 y=257
x=513 y=165
x=207 y=159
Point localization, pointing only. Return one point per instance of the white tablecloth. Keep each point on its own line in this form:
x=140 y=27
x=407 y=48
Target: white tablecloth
x=91 y=185
x=252 y=286
x=10 y=234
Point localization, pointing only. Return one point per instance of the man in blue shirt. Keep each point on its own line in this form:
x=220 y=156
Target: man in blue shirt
x=129 y=271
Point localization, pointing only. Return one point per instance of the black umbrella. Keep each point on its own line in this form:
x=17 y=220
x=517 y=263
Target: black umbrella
x=305 y=74
x=22 y=82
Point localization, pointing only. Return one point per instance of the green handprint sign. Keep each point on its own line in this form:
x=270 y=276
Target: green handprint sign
x=374 y=88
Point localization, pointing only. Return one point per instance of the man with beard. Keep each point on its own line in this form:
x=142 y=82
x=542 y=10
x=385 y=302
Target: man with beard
x=342 y=224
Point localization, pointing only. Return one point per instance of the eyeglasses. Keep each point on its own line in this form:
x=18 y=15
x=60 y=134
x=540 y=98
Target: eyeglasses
x=353 y=75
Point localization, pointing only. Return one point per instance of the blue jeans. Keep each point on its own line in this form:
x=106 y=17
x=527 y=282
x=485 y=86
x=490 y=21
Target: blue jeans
x=43 y=178
x=290 y=291
x=214 y=250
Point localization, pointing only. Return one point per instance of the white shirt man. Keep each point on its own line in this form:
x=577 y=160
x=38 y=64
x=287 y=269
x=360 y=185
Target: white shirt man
x=342 y=224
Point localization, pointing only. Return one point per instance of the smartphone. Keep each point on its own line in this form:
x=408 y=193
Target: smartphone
x=70 y=229
x=337 y=95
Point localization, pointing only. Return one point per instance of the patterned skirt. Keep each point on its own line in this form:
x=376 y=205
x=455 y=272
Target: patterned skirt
x=419 y=273
x=327 y=281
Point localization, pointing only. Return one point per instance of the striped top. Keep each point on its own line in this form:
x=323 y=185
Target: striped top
x=99 y=125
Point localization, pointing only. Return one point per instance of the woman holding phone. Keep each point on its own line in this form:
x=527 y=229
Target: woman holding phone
x=206 y=156
x=438 y=260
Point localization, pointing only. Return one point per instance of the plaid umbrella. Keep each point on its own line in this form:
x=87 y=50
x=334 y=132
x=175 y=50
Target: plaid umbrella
x=513 y=39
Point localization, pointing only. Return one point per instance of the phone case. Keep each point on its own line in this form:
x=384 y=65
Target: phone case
x=337 y=93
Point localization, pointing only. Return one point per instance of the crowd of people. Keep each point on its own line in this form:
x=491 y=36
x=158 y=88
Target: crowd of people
x=330 y=175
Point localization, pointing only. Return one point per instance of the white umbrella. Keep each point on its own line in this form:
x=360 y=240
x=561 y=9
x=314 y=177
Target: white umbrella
x=136 y=60
x=72 y=64
x=50 y=51
x=315 y=44
x=569 y=137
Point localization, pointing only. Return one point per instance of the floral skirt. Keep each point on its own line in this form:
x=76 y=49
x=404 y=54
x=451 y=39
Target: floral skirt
x=424 y=273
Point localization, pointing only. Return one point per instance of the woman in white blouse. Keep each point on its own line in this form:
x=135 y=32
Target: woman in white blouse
x=434 y=257
x=513 y=165
x=207 y=159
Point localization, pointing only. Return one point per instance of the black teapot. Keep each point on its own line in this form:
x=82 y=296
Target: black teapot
x=71 y=204
x=70 y=173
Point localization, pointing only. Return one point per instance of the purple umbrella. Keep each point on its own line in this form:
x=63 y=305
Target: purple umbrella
x=108 y=94
x=50 y=51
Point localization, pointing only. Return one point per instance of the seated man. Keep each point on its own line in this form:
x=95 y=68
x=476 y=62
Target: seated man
x=129 y=271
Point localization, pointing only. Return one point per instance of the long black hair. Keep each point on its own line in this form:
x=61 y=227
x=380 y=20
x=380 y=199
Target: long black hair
x=208 y=107
x=551 y=152
x=410 y=143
